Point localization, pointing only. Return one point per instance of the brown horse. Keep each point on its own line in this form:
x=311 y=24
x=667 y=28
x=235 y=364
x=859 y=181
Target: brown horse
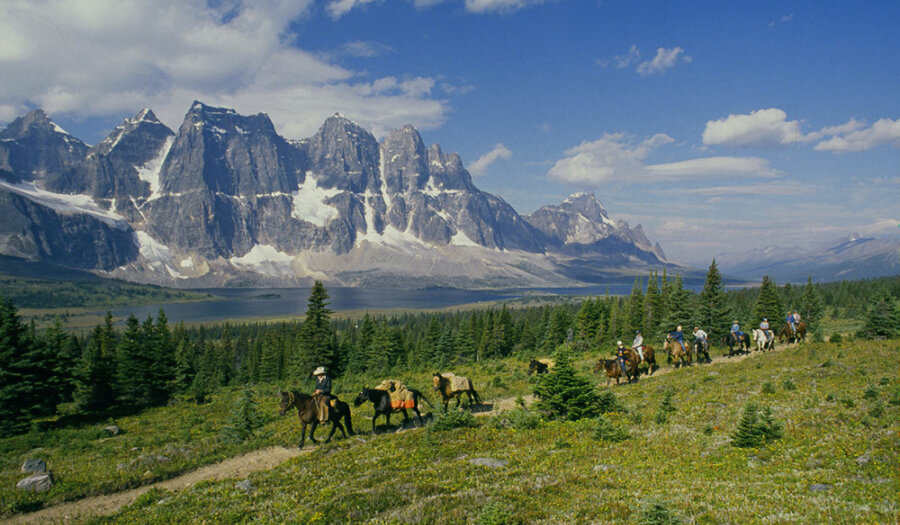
x=680 y=356
x=613 y=370
x=308 y=412
x=787 y=334
x=649 y=358
x=450 y=386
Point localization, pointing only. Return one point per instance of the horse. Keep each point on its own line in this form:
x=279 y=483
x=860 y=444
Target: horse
x=787 y=334
x=764 y=339
x=742 y=342
x=540 y=366
x=649 y=358
x=701 y=350
x=451 y=386
x=681 y=356
x=308 y=412
x=613 y=370
x=381 y=400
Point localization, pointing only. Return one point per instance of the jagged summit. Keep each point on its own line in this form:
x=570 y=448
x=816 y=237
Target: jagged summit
x=225 y=199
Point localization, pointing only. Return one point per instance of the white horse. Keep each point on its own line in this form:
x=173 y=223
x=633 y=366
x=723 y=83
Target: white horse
x=765 y=339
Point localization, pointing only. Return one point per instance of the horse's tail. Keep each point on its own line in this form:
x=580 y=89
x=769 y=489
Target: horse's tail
x=419 y=395
x=474 y=393
x=348 y=421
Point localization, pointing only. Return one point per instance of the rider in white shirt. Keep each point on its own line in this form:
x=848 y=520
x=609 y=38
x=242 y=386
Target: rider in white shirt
x=638 y=344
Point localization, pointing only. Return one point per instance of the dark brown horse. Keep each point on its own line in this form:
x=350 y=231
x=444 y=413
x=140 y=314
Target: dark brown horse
x=308 y=412
x=676 y=354
x=381 y=399
x=649 y=358
x=451 y=386
x=741 y=341
x=787 y=334
x=613 y=370
x=540 y=366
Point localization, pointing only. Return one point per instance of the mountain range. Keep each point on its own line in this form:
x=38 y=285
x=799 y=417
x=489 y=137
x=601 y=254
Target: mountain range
x=226 y=201
x=847 y=258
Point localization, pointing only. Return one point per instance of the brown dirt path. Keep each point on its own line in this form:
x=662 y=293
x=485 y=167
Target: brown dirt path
x=232 y=468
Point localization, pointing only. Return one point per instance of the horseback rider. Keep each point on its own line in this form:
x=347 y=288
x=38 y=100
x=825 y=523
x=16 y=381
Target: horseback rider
x=678 y=335
x=322 y=393
x=638 y=344
x=700 y=339
x=736 y=331
x=764 y=326
x=793 y=319
x=620 y=356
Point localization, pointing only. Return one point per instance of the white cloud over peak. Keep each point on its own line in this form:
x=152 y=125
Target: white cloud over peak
x=764 y=127
x=619 y=158
x=480 y=166
x=90 y=58
x=664 y=59
x=884 y=131
x=498 y=6
x=338 y=8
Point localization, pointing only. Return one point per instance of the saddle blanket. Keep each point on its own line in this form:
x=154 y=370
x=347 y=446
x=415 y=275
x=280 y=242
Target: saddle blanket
x=401 y=397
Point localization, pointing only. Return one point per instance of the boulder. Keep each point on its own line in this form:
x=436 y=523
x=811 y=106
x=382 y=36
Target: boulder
x=112 y=430
x=35 y=466
x=36 y=483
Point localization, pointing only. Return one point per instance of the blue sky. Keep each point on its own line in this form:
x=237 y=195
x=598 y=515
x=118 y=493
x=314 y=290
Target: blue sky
x=719 y=126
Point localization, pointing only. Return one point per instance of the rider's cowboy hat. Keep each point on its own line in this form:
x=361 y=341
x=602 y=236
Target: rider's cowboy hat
x=319 y=371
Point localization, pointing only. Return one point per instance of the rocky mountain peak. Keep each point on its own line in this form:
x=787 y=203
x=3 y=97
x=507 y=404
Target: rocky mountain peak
x=346 y=156
x=34 y=148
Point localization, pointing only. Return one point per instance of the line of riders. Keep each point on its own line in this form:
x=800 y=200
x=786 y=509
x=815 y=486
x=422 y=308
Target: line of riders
x=700 y=347
x=323 y=407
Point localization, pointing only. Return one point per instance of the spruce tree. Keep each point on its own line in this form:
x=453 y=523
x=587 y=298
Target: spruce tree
x=17 y=389
x=316 y=335
x=244 y=420
x=564 y=394
x=653 y=305
x=714 y=316
x=162 y=355
x=134 y=365
x=679 y=308
x=95 y=377
x=882 y=319
x=768 y=305
x=634 y=309
x=810 y=304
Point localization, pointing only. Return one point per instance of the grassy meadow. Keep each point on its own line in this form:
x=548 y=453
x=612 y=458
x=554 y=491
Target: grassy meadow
x=837 y=461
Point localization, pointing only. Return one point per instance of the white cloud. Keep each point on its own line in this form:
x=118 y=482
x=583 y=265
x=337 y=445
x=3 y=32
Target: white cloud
x=618 y=158
x=664 y=59
x=480 y=166
x=498 y=6
x=884 y=131
x=764 y=127
x=88 y=58
x=338 y=8
x=632 y=57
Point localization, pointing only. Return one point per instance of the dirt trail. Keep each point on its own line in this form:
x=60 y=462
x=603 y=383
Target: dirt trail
x=237 y=468
x=241 y=466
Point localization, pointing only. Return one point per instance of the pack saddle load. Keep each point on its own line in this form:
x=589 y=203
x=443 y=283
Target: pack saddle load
x=401 y=397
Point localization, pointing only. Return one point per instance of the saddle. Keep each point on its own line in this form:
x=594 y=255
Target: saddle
x=401 y=397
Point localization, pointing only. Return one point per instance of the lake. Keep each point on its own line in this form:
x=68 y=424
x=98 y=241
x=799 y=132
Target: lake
x=247 y=303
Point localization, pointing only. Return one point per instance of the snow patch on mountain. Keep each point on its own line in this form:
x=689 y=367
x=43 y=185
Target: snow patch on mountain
x=265 y=259
x=156 y=254
x=309 y=202
x=66 y=203
x=149 y=172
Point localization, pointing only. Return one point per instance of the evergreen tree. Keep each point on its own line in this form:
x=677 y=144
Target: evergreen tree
x=653 y=305
x=95 y=377
x=557 y=329
x=810 y=304
x=768 y=305
x=316 y=336
x=162 y=355
x=634 y=309
x=63 y=353
x=244 y=420
x=134 y=365
x=18 y=399
x=565 y=394
x=883 y=319
x=714 y=315
x=679 y=307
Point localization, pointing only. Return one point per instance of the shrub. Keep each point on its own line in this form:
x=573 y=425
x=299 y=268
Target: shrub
x=788 y=385
x=245 y=418
x=607 y=430
x=655 y=512
x=565 y=394
x=608 y=402
x=755 y=428
x=495 y=514
x=836 y=338
x=517 y=418
x=452 y=419
x=871 y=392
x=877 y=411
x=768 y=388
x=666 y=407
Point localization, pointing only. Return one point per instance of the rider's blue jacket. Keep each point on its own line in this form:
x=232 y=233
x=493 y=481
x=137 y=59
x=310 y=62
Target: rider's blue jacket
x=678 y=336
x=735 y=328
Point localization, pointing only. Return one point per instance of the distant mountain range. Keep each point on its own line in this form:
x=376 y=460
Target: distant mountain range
x=849 y=258
x=226 y=201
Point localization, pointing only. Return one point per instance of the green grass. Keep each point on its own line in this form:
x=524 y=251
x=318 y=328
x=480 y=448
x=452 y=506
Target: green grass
x=556 y=472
